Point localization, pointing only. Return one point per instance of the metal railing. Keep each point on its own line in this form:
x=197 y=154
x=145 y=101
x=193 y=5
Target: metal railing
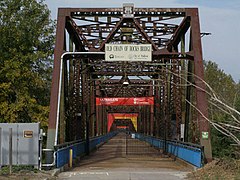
x=78 y=148
x=189 y=152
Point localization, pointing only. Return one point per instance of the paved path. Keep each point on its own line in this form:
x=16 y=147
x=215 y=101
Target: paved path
x=137 y=160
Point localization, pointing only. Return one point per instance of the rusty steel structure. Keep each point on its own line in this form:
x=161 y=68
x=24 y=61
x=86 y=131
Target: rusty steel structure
x=174 y=34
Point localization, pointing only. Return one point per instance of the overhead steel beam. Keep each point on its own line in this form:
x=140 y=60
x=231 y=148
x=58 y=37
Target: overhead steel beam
x=73 y=29
x=181 y=30
x=111 y=33
x=142 y=31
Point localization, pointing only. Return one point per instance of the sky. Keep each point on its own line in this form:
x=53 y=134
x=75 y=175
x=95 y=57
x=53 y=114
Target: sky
x=219 y=17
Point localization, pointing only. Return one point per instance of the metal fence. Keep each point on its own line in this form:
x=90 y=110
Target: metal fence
x=20 y=144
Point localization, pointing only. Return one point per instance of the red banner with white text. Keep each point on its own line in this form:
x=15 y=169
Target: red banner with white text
x=132 y=101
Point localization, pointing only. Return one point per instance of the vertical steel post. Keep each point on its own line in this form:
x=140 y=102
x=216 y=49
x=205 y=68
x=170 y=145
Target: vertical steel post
x=188 y=98
x=162 y=106
x=59 y=48
x=72 y=115
x=151 y=120
x=188 y=93
x=97 y=94
x=157 y=106
x=85 y=104
x=87 y=130
x=77 y=124
x=201 y=98
x=166 y=111
x=101 y=119
x=92 y=108
x=104 y=120
x=88 y=111
x=97 y=120
x=144 y=120
x=182 y=81
x=169 y=103
x=151 y=112
x=165 y=135
x=147 y=119
x=71 y=95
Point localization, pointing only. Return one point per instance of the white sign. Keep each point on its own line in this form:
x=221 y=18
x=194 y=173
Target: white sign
x=128 y=52
x=182 y=131
x=128 y=10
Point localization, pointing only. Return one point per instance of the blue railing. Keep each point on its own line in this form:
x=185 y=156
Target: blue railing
x=78 y=148
x=191 y=153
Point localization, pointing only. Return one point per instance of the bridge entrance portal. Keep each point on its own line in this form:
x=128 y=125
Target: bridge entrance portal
x=141 y=61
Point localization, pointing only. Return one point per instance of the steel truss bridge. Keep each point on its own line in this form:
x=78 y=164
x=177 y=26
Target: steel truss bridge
x=172 y=79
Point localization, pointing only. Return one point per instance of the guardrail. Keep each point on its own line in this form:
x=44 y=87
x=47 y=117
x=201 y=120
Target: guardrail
x=191 y=153
x=78 y=148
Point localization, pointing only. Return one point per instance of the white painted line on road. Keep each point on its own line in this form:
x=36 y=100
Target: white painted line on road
x=178 y=174
x=91 y=173
x=71 y=174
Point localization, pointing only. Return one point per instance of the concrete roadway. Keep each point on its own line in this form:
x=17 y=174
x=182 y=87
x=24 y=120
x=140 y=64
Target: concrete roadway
x=127 y=159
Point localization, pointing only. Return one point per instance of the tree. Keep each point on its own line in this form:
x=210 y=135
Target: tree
x=26 y=48
x=228 y=92
x=222 y=83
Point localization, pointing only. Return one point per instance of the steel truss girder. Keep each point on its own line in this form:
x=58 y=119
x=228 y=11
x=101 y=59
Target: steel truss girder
x=105 y=23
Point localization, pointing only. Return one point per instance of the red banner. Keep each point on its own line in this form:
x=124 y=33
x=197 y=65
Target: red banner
x=133 y=101
x=121 y=127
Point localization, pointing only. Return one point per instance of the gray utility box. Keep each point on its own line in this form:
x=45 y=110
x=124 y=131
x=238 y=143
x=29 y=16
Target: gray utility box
x=25 y=143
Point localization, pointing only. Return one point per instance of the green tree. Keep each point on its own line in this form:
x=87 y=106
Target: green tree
x=237 y=98
x=222 y=83
x=26 y=48
x=227 y=90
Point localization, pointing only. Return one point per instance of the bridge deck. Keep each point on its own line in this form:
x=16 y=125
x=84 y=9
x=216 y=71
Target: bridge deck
x=124 y=155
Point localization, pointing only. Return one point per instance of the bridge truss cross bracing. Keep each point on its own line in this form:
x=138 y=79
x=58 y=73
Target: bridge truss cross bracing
x=176 y=65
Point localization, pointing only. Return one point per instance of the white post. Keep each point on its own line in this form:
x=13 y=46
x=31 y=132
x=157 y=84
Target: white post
x=10 y=150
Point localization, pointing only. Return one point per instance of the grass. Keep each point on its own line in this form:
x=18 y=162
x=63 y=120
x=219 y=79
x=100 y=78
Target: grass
x=15 y=169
